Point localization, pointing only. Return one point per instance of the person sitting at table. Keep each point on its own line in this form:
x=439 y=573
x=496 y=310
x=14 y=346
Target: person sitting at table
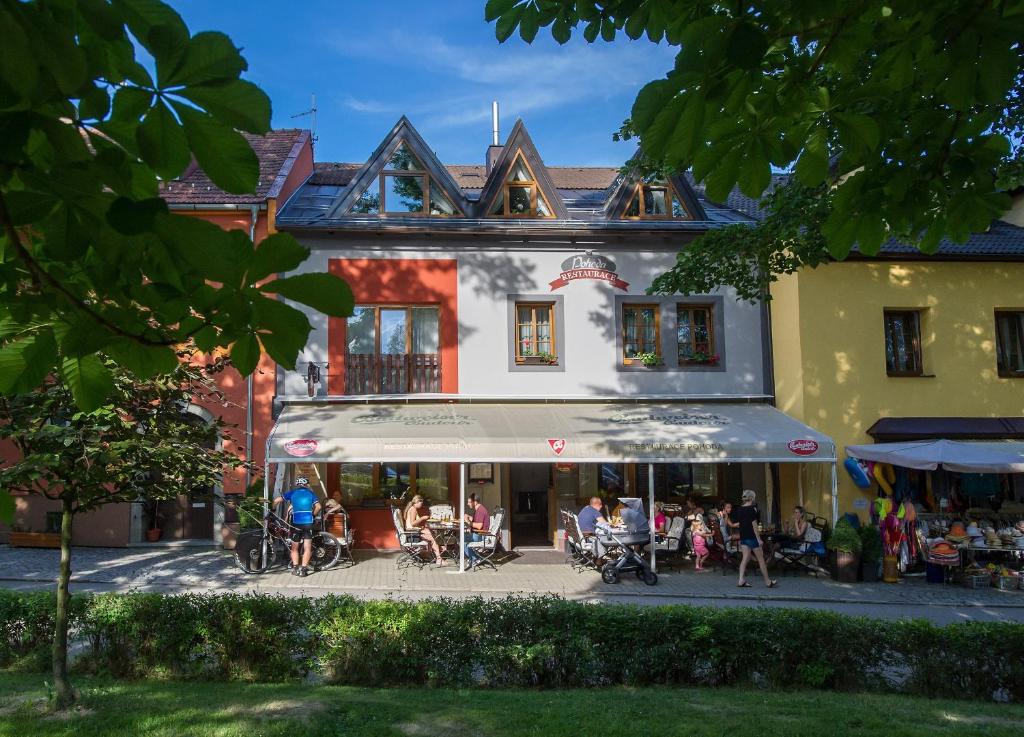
x=479 y=525
x=660 y=520
x=416 y=517
x=796 y=525
x=725 y=521
x=590 y=516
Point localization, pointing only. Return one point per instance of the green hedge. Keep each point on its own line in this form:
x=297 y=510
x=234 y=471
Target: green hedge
x=540 y=641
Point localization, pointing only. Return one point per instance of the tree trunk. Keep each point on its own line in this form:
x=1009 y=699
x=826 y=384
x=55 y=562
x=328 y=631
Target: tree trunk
x=64 y=695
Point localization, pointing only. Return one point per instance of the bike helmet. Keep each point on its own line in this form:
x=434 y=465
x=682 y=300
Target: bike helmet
x=302 y=481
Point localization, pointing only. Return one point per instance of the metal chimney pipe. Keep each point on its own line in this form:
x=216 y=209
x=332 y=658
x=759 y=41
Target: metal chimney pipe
x=494 y=123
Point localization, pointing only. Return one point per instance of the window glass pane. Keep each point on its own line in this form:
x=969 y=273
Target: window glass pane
x=701 y=331
x=648 y=337
x=519 y=200
x=684 y=333
x=439 y=204
x=674 y=482
x=360 y=333
x=394 y=480
x=368 y=203
x=499 y=205
x=542 y=206
x=424 y=330
x=655 y=201
x=403 y=193
x=612 y=480
x=902 y=337
x=519 y=172
x=1010 y=342
x=432 y=481
x=356 y=482
x=678 y=211
x=630 y=344
x=405 y=159
x=392 y=331
x=633 y=210
x=544 y=344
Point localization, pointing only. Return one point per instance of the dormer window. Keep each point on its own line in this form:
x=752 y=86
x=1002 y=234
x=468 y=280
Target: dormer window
x=656 y=200
x=520 y=195
x=404 y=187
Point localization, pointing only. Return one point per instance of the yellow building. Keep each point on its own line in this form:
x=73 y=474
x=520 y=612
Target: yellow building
x=902 y=336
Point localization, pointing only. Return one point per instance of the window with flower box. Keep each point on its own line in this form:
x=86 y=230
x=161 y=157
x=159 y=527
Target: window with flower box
x=695 y=335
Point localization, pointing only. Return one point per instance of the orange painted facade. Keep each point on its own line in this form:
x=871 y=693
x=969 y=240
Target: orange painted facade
x=395 y=282
x=399 y=282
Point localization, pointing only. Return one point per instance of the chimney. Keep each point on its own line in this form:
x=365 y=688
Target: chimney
x=494 y=150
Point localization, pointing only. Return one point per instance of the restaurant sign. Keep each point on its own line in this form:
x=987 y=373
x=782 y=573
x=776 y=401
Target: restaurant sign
x=588 y=266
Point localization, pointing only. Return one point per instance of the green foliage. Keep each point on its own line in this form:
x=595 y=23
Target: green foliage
x=871 y=543
x=750 y=258
x=844 y=538
x=515 y=642
x=906 y=112
x=90 y=257
x=139 y=445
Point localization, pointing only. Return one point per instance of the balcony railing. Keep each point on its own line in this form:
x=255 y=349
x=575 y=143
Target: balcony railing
x=416 y=373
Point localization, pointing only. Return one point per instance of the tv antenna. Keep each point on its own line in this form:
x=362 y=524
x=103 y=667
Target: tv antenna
x=311 y=112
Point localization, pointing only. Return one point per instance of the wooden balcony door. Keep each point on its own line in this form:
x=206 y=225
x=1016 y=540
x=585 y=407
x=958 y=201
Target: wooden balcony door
x=393 y=350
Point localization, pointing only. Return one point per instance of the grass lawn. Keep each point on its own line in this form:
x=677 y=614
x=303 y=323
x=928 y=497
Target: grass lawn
x=158 y=709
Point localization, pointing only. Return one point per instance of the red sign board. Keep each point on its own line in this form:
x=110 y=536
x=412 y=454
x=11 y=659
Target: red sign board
x=588 y=266
x=803 y=447
x=557 y=445
x=301 y=448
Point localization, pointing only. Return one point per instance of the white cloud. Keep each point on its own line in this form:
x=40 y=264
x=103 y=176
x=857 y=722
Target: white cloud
x=522 y=78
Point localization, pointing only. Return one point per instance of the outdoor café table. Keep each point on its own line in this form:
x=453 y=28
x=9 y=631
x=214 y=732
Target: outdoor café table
x=447 y=536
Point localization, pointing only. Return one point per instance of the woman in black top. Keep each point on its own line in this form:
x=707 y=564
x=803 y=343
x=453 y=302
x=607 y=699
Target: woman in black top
x=750 y=539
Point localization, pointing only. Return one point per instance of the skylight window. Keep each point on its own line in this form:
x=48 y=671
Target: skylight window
x=520 y=195
x=404 y=187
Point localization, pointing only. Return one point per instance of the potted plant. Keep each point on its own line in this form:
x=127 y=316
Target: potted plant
x=703 y=358
x=153 y=515
x=650 y=360
x=870 y=553
x=845 y=545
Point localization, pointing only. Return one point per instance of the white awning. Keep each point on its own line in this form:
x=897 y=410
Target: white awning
x=992 y=456
x=543 y=433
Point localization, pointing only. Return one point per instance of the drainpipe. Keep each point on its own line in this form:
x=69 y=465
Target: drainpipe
x=249 y=378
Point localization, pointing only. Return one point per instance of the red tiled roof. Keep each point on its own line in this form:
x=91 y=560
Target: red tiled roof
x=473 y=176
x=275 y=151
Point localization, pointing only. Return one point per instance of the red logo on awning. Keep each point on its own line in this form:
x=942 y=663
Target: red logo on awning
x=557 y=445
x=803 y=447
x=301 y=448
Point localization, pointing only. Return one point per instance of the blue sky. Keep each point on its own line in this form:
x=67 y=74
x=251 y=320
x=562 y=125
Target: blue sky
x=439 y=63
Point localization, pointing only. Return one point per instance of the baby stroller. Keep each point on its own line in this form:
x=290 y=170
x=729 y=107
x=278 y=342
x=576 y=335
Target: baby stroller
x=638 y=532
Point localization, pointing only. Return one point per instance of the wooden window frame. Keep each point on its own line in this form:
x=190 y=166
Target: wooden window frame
x=550 y=307
x=534 y=193
x=428 y=184
x=915 y=343
x=672 y=194
x=1002 y=372
x=409 y=307
x=375 y=478
x=712 y=337
x=637 y=306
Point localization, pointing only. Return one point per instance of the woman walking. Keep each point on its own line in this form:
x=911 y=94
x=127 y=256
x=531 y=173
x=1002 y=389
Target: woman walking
x=750 y=539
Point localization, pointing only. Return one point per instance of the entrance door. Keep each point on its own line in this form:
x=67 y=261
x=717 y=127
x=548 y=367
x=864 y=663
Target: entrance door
x=188 y=517
x=529 y=486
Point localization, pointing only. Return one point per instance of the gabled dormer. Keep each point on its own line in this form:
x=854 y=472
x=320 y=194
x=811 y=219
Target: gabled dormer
x=651 y=197
x=402 y=178
x=518 y=185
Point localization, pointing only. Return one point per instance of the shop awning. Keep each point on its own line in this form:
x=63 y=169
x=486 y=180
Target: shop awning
x=543 y=433
x=991 y=456
x=901 y=429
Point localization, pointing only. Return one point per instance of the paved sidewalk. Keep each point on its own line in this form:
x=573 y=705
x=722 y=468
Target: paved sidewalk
x=377 y=576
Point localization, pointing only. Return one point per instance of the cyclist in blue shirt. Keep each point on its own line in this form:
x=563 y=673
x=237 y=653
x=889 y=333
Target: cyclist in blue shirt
x=304 y=505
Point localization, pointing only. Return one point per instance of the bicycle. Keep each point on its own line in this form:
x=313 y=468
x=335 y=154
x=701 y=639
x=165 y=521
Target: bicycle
x=256 y=551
